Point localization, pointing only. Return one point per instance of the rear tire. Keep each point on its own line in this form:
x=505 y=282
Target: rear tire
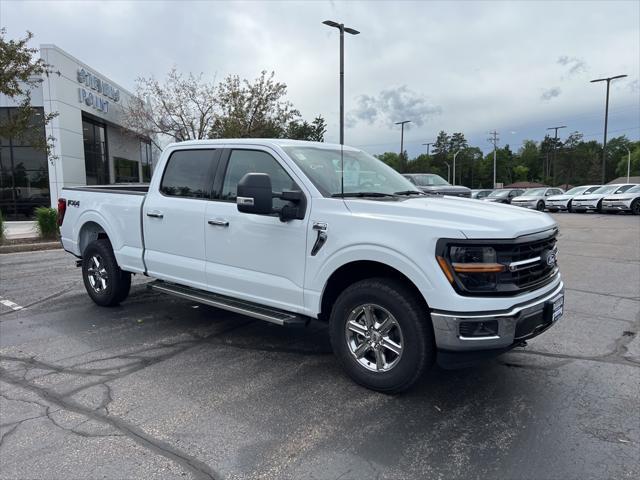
x=382 y=335
x=106 y=283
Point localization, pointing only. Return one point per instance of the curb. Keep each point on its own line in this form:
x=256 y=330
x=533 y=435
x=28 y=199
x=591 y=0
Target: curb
x=29 y=247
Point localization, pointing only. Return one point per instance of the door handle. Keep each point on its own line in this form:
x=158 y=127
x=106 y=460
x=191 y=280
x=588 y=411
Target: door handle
x=155 y=214
x=218 y=223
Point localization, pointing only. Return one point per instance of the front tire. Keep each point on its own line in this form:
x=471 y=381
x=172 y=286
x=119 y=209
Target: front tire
x=540 y=206
x=105 y=282
x=569 y=207
x=599 y=207
x=382 y=335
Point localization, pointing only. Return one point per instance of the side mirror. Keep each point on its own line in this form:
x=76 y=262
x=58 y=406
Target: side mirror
x=255 y=194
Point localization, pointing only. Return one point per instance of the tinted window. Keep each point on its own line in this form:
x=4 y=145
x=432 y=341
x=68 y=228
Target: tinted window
x=624 y=188
x=188 y=173
x=242 y=162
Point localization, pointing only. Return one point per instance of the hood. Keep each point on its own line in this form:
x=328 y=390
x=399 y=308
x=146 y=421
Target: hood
x=591 y=196
x=445 y=189
x=473 y=218
x=616 y=196
x=528 y=197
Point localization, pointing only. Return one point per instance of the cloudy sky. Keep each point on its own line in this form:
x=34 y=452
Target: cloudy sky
x=517 y=67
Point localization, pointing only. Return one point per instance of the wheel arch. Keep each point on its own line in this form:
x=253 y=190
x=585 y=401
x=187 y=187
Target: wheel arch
x=90 y=231
x=357 y=270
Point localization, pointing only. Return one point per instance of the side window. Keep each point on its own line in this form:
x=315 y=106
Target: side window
x=242 y=162
x=188 y=173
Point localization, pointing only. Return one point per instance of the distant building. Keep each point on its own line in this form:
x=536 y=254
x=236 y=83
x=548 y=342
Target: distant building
x=91 y=146
x=525 y=185
x=624 y=180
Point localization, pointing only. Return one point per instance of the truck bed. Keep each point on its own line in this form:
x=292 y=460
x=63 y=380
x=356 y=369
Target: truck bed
x=114 y=209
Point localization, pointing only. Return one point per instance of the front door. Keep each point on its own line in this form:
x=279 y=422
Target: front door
x=173 y=218
x=255 y=257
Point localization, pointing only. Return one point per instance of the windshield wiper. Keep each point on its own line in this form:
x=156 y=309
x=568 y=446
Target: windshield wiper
x=409 y=192
x=362 y=194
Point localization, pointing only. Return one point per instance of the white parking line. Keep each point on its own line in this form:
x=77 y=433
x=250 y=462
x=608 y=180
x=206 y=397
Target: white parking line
x=10 y=304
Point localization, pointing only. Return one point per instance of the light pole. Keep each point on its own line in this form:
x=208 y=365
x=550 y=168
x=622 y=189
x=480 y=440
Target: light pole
x=454 y=166
x=628 y=163
x=342 y=28
x=555 y=140
x=402 y=136
x=427 y=145
x=606 y=119
x=448 y=172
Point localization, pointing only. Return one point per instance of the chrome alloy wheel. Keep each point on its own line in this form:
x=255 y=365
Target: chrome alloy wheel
x=374 y=337
x=97 y=274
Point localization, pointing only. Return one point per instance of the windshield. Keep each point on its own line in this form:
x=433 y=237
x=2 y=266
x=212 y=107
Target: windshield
x=605 y=189
x=535 y=191
x=499 y=193
x=428 y=180
x=576 y=190
x=362 y=172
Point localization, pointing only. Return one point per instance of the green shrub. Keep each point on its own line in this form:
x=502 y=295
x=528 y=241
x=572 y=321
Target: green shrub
x=47 y=219
x=1 y=228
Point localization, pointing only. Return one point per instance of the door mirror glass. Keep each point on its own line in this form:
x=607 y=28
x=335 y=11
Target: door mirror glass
x=255 y=194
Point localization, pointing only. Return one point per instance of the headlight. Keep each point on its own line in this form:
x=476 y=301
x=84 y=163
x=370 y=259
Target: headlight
x=476 y=267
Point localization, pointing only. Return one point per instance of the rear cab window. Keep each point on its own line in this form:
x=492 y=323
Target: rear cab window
x=189 y=173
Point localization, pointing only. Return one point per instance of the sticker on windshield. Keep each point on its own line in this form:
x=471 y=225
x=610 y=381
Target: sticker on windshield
x=351 y=173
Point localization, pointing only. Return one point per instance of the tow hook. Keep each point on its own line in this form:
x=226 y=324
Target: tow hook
x=521 y=343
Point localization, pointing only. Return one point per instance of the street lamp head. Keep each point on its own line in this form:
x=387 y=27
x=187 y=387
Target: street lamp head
x=403 y=122
x=608 y=79
x=331 y=23
x=351 y=31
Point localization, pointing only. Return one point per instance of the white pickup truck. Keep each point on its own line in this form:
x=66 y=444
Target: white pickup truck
x=287 y=231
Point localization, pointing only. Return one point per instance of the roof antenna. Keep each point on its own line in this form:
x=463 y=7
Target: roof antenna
x=342 y=170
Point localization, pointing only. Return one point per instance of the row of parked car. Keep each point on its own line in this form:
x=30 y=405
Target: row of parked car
x=599 y=198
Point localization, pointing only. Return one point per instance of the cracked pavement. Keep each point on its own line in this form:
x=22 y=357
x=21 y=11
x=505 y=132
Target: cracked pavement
x=162 y=388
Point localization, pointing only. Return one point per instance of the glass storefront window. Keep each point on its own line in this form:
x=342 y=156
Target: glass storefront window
x=126 y=170
x=146 y=160
x=95 y=152
x=24 y=178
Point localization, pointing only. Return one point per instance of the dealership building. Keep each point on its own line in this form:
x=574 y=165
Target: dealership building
x=90 y=144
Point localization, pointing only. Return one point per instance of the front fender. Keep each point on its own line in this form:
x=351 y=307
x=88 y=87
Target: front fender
x=367 y=252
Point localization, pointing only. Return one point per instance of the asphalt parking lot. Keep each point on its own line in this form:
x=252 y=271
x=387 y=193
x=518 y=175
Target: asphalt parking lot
x=162 y=388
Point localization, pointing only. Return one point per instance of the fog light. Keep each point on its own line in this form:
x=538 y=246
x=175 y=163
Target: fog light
x=479 y=329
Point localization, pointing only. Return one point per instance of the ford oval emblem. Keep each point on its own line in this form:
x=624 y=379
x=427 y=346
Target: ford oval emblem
x=549 y=258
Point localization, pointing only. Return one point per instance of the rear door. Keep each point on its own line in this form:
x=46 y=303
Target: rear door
x=255 y=257
x=173 y=217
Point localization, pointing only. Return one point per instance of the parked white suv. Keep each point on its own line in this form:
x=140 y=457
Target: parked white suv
x=628 y=201
x=535 y=197
x=563 y=202
x=287 y=231
x=593 y=201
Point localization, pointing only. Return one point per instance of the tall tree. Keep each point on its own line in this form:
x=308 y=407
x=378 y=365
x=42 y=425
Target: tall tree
x=181 y=107
x=20 y=73
x=253 y=109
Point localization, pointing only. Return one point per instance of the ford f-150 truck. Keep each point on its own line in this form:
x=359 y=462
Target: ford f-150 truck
x=288 y=231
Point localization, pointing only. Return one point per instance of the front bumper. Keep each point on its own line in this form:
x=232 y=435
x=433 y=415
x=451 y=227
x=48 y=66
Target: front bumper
x=532 y=204
x=593 y=205
x=514 y=326
x=616 y=206
x=556 y=204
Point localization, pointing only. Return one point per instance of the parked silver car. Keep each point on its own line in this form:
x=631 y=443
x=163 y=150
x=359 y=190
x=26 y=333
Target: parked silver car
x=535 y=197
x=593 y=201
x=628 y=201
x=555 y=203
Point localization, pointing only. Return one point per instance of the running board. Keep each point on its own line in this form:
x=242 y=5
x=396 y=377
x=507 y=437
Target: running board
x=250 y=309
